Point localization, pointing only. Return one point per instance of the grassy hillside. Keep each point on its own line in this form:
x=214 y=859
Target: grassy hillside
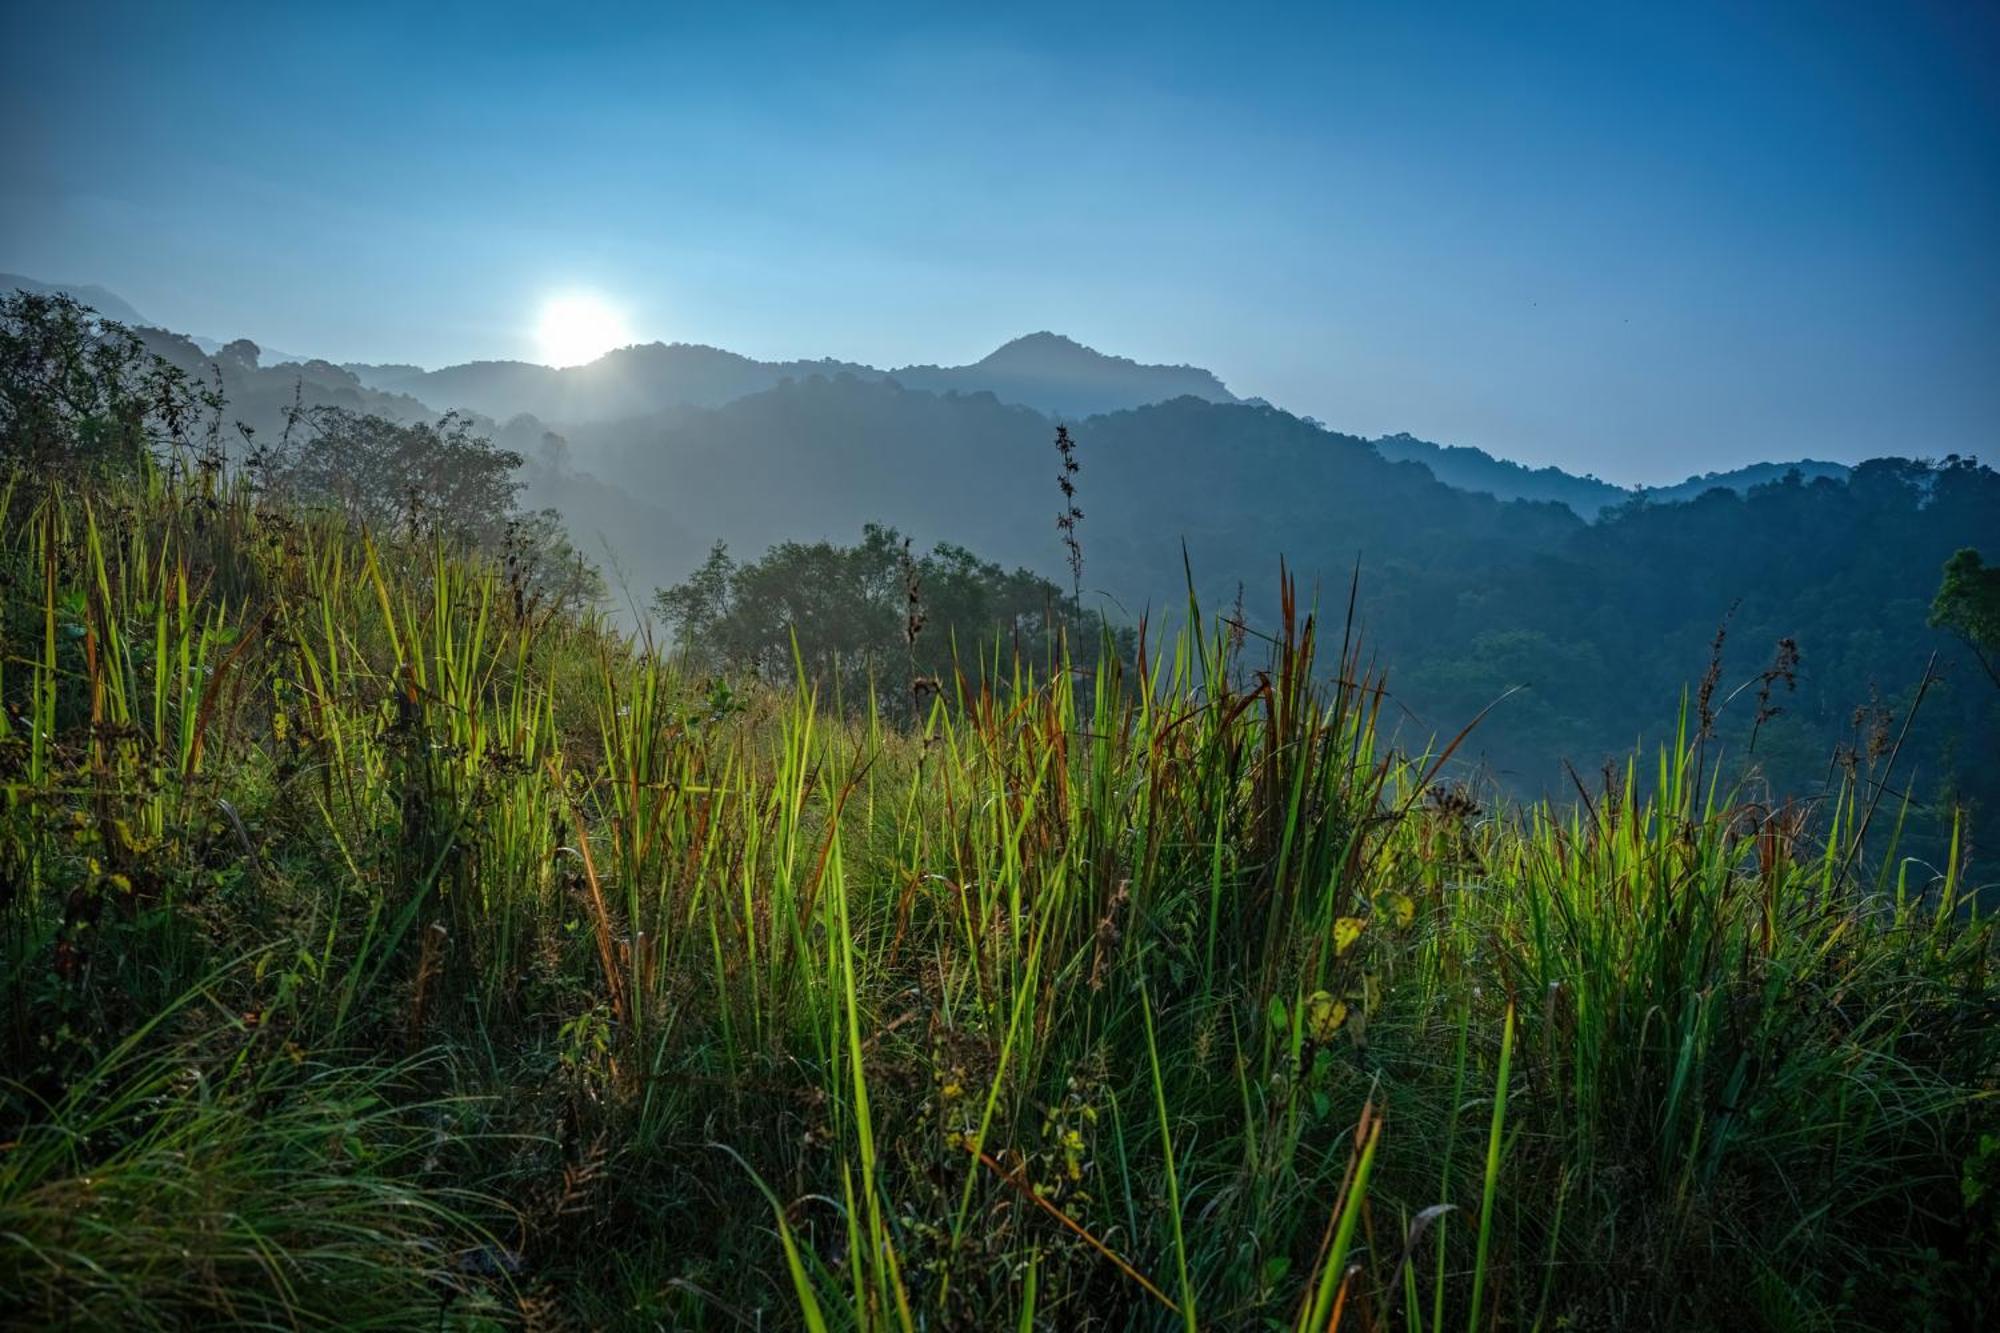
x=391 y=941
x=378 y=954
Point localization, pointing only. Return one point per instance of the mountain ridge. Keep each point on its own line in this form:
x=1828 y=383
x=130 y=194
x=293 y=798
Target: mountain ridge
x=104 y=301
x=1471 y=593
x=1057 y=376
x=1063 y=377
x=1050 y=372
x=1473 y=469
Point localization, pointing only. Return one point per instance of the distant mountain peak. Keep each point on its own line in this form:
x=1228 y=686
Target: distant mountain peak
x=1043 y=343
x=1056 y=374
x=1044 y=351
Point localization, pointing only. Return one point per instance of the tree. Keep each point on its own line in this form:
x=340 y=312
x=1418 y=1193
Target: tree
x=694 y=607
x=868 y=613
x=1968 y=604
x=82 y=395
x=545 y=572
x=86 y=397
x=432 y=479
x=415 y=477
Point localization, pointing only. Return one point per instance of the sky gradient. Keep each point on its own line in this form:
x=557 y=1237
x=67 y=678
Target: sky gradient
x=1635 y=241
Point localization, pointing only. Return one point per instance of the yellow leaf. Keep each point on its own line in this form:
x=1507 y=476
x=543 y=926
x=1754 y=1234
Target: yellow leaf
x=1346 y=930
x=1324 y=1015
x=1402 y=908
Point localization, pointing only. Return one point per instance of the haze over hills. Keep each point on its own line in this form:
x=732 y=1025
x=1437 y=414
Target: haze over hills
x=106 y=303
x=1476 y=470
x=1045 y=371
x=1052 y=374
x=260 y=395
x=633 y=381
x=1062 y=377
x=1478 y=575
x=115 y=307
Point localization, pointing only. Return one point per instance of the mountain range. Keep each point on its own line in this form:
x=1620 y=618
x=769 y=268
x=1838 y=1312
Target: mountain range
x=1054 y=375
x=1046 y=371
x=1477 y=574
x=1476 y=470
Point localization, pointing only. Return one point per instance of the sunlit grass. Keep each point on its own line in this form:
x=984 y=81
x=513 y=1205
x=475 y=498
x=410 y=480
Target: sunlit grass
x=355 y=927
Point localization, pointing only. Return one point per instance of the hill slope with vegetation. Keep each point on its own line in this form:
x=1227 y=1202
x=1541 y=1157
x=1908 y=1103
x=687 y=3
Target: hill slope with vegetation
x=391 y=941
x=1467 y=597
x=1476 y=470
x=1590 y=631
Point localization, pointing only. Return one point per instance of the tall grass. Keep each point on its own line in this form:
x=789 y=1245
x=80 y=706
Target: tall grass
x=1159 y=995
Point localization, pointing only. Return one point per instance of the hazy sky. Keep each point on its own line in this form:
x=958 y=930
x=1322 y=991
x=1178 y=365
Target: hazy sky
x=1639 y=240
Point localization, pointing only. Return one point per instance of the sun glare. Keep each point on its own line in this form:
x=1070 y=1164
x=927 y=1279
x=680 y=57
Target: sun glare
x=578 y=327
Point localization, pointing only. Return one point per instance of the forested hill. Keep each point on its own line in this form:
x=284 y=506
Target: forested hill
x=1464 y=595
x=636 y=388
x=1476 y=470
x=1061 y=376
x=262 y=396
x=1056 y=376
x=106 y=303
x=630 y=382
x=1241 y=485
x=1043 y=370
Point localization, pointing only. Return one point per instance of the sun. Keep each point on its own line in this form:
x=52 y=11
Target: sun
x=577 y=327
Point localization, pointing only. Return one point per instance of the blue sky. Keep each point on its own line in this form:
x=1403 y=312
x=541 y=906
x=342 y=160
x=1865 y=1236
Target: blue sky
x=1640 y=241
